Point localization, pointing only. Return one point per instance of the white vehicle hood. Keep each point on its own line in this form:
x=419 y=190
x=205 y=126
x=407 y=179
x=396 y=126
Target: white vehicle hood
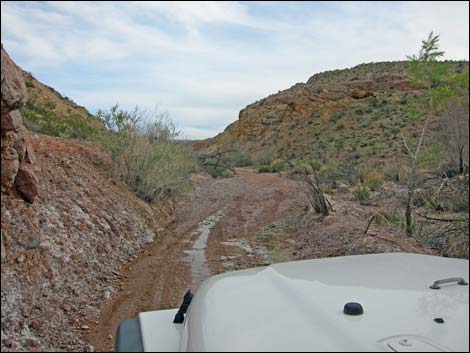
x=298 y=306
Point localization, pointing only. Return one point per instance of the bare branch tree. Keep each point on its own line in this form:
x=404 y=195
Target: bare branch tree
x=217 y=159
x=412 y=178
x=454 y=128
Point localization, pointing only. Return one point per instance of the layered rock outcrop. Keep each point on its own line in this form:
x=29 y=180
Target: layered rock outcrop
x=17 y=156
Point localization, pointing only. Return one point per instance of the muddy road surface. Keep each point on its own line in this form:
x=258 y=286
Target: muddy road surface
x=229 y=224
x=212 y=232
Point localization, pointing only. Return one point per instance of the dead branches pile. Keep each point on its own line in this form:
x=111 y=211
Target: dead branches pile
x=218 y=159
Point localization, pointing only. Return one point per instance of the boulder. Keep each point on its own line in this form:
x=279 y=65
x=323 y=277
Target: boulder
x=17 y=159
x=26 y=182
x=13 y=88
x=361 y=94
x=19 y=142
x=9 y=166
x=11 y=121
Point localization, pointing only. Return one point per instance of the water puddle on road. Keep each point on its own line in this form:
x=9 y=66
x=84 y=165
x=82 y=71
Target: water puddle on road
x=199 y=266
x=229 y=262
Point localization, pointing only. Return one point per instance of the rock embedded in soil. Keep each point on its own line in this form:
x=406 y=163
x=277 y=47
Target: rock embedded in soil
x=16 y=168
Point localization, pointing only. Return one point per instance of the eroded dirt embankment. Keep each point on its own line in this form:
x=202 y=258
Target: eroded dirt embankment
x=62 y=255
x=228 y=224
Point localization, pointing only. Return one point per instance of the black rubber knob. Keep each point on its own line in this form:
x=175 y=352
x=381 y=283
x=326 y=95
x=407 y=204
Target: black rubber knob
x=353 y=309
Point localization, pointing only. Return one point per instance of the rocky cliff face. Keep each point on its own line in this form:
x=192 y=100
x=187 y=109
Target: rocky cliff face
x=17 y=156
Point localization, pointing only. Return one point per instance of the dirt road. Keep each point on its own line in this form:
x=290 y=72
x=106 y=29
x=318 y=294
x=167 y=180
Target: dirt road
x=181 y=258
x=236 y=223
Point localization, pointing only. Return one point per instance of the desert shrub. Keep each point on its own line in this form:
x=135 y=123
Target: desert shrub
x=42 y=118
x=366 y=176
x=458 y=242
x=227 y=174
x=300 y=168
x=374 y=102
x=361 y=192
x=335 y=116
x=240 y=158
x=345 y=171
x=264 y=158
x=374 y=180
x=391 y=172
x=264 y=169
x=394 y=219
x=359 y=111
x=49 y=104
x=360 y=174
x=326 y=171
x=145 y=154
x=214 y=171
x=404 y=99
x=277 y=167
x=460 y=202
x=293 y=126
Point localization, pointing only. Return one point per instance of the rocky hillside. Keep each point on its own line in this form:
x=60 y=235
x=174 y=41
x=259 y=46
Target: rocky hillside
x=49 y=112
x=359 y=112
x=62 y=253
x=67 y=229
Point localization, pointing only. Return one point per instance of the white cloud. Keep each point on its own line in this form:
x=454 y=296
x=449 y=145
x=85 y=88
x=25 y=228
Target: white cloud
x=204 y=61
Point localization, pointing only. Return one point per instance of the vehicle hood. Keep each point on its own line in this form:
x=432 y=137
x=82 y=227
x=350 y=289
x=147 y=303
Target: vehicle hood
x=298 y=306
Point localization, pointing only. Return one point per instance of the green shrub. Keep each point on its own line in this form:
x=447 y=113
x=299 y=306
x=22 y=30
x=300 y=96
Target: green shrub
x=43 y=118
x=340 y=127
x=359 y=111
x=240 y=158
x=359 y=174
x=214 y=171
x=227 y=174
x=145 y=154
x=374 y=180
x=336 y=116
x=264 y=158
x=361 y=192
x=404 y=99
x=301 y=168
x=327 y=171
x=49 y=105
x=277 y=167
x=264 y=169
x=293 y=126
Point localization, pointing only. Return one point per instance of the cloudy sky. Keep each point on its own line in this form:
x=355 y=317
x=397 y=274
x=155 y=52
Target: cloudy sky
x=204 y=61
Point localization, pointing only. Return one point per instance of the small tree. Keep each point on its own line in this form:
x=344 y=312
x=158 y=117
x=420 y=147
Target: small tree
x=426 y=72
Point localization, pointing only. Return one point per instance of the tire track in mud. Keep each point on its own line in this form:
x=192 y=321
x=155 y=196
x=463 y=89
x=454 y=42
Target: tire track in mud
x=192 y=248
